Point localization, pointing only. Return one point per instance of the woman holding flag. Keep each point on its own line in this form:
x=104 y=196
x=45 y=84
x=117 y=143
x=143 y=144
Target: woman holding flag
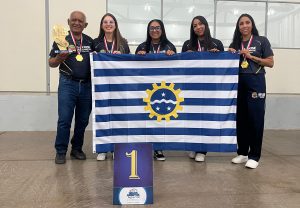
x=256 y=53
x=201 y=40
x=156 y=42
x=111 y=41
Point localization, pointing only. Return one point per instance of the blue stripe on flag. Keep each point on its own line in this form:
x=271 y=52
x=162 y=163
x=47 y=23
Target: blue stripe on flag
x=165 y=131
x=165 y=71
x=179 y=146
x=187 y=101
x=182 y=86
x=181 y=116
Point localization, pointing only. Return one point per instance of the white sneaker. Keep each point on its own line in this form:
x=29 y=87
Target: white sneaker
x=192 y=155
x=101 y=156
x=200 y=157
x=239 y=159
x=251 y=164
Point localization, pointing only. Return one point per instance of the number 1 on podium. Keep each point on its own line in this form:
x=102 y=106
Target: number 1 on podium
x=133 y=156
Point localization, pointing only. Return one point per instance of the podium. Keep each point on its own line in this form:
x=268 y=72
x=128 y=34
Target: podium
x=133 y=174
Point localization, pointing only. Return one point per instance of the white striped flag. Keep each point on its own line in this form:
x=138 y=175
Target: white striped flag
x=182 y=102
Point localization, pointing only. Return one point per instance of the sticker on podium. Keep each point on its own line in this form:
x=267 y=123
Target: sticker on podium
x=133 y=174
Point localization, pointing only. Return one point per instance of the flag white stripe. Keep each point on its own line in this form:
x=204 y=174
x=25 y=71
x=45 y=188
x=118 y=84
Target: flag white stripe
x=169 y=79
x=166 y=64
x=166 y=138
x=184 y=94
x=164 y=124
x=186 y=109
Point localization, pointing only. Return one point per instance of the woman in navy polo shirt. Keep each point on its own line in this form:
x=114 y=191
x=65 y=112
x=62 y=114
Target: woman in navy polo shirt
x=201 y=40
x=110 y=40
x=156 y=42
x=256 y=53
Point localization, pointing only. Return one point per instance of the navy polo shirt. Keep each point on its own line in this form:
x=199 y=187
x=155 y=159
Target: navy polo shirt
x=215 y=42
x=72 y=67
x=154 y=47
x=260 y=47
x=99 y=46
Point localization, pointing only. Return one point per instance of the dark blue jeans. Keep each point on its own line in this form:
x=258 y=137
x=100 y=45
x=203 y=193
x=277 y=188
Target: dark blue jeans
x=73 y=96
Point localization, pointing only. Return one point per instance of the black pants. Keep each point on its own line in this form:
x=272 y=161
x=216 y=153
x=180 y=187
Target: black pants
x=204 y=153
x=250 y=114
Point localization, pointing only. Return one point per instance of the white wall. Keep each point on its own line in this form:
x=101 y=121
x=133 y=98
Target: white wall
x=23 y=54
x=283 y=78
x=23 y=46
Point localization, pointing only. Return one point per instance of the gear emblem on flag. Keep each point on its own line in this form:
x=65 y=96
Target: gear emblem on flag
x=163 y=101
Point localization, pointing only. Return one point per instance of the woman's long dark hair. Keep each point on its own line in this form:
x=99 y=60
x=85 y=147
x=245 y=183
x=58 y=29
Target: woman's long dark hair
x=119 y=40
x=193 y=44
x=237 y=36
x=163 y=38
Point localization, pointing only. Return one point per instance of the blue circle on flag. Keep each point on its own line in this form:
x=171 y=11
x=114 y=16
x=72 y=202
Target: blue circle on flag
x=163 y=101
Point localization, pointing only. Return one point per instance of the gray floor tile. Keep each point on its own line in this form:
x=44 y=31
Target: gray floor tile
x=29 y=177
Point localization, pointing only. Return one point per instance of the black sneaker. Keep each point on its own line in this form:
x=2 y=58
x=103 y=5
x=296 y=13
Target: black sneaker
x=158 y=155
x=60 y=158
x=77 y=154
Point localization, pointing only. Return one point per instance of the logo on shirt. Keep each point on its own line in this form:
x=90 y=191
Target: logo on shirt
x=252 y=49
x=72 y=48
x=258 y=95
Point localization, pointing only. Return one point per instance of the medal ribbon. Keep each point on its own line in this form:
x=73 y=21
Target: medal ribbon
x=248 y=46
x=156 y=51
x=74 y=41
x=199 y=46
x=106 y=46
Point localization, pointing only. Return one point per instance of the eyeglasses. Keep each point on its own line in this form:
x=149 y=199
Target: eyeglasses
x=108 y=22
x=152 y=28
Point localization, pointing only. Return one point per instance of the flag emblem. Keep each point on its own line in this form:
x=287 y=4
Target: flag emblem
x=163 y=101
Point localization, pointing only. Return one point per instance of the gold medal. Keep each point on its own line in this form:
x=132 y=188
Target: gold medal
x=79 y=57
x=245 y=64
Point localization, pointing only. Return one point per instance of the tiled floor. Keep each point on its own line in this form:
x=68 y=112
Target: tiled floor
x=29 y=178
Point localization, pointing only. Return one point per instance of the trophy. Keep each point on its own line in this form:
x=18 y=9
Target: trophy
x=59 y=34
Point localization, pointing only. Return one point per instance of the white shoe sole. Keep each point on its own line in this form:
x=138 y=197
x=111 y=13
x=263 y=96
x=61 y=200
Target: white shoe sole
x=252 y=164
x=200 y=157
x=239 y=159
x=160 y=159
x=101 y=157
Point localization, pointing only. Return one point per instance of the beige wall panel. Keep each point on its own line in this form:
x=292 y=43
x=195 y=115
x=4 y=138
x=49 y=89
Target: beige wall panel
x=23 y=59
x=284 y=76
x=59 y=12
x=23 y=46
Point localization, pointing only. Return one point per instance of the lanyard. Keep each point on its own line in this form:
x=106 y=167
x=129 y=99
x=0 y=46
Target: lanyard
x=74 y=41
x=106 y=46
x=199 y=46
x=158 y=49
x=248 y=46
